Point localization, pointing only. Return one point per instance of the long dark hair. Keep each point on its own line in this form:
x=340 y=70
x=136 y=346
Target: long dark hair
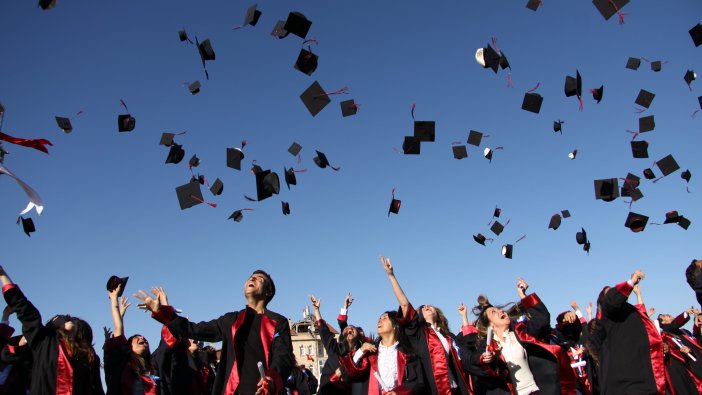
x=139 y=364
x=404 y=344
x=441 y=320
x=345 y=348
x=513 y=311
x=80 y=342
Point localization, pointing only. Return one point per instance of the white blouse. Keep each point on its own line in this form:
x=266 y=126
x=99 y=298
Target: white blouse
x=387 y=364
x=517 y=363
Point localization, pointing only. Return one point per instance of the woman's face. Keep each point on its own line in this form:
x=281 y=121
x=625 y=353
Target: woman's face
x=192 y=345
x=384 y=325
x=497 y=317
x=350 y=334
x=429 y=313
x=140 y=345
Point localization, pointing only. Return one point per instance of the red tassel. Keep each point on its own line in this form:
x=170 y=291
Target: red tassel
x=520 y=239
x=202 y=201
x=635 y=134
x=580 y=100
x=510 y=84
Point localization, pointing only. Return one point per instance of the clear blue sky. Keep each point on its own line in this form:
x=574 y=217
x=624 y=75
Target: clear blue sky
x=110 y=202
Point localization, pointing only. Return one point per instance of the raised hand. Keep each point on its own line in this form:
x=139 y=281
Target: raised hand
x=651 y=312
x=589 y=311
x=522 y=287
x=386 y=265
x=574 y=305
x=570 y=317
x=161 y=294
x=113 y=294
x=348 y=300
x=123 y=305
x=462 y=310
x=147 y=302
x=315 y=302
x=637 y=290
x=108 y=332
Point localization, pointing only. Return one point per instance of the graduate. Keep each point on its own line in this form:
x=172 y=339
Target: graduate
x=65 y=361
x=249 y=336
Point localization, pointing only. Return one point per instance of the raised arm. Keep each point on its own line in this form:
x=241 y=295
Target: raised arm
x=396 y=289
x=342 y=319
x=32 y=327
x=118 y=307
x=539 y=322
x=616 y=298
x=637 y=291
x=328 y=341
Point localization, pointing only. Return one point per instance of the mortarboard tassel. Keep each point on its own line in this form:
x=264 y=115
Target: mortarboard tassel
x=202 y=201
x=412 y=111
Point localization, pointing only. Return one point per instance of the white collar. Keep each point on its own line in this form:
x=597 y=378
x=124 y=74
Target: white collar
x=390 y=347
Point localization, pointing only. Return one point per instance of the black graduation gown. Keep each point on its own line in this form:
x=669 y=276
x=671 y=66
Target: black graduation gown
x=18 y=359
x=50 y=369
x=329 y=384
x=631 y=359
x=275 y=338
x=118 y=374
x=678 y=378
x=409 y=371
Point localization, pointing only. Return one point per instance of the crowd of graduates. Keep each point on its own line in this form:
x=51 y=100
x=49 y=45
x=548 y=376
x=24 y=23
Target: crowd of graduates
x=506 y=349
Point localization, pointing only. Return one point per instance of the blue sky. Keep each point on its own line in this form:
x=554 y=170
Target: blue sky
x=110 y=203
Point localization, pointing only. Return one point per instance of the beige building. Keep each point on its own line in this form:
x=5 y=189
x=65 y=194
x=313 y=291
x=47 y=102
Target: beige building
x=307 y=344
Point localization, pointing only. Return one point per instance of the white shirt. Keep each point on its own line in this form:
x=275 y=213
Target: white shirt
x=387 y=364
x=444 y=342
x=517 y=363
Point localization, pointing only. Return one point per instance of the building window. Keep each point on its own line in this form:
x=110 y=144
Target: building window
x=309 y=350
x=302 y=350
x=320 y=349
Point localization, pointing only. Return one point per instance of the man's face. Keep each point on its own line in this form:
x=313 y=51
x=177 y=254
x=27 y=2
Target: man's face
x=255 y=286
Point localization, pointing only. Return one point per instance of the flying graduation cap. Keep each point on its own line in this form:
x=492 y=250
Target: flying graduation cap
x=581 y=238
x=206 y=53
x=394 y=204
x=252 y=16
x=574 y=87
x=125 y=122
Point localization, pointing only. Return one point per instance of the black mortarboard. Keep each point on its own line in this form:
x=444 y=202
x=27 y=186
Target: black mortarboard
x=607 y=189
x=644 y=98
x=474 y=138
x=64 y=124
x=633 y=63
x=27 y=225
x=504 y=63
x=684 y=223
x=573 y=85
x=252 y=15
x=565 y=213
x=699 y=101
x=115 y=282
x=290 y=177
x=572 y=154
x=234 y=157
x=631 y=181
x=649 y=174
x=175 y=154
x=125 y=123
x=394 y=206
x=507 y=251
x=348 y=107
x=189 y=195
x=459 y=151
x=532 y=102
x=294 y=149
x=321 y=160
x=686 y=175
x=581 y=238
x=315 y=98
x=424 y=130
x=696 y=34
x=656 y=65
x=194 y=161
x=667 y=165
x=297 y=24
x=479 y=238
x=496 y=213
x=279 y=30
x=217 y=187
x=47 y=4
x=639 y=149
x=555 y=222
x=411 y=146
x=167 y=139
x=286 y=208
x=672 y=217
x=636 y=222
x=533 y=4
x=237 y=216
x=634 y=193
x=646 y=124
x=182 y=35
x=487 y=153
x=497 y=228
x=306 y=62
x=597 y=93
x=689 y=77
x=206 y=51
x=557 y=126
x=609 y=7
x=491 y=58
x=267 y=184
x=194 y=88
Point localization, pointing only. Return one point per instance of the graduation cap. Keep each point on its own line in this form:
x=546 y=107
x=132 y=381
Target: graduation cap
x=572 y=154
x=631 y=181
x=194 y=161
x=474 y=138
x=183 y=35
x=557 y=126
x=217 y=187
x=533 y=4
x=459 y=151
x=555 y=222
x=189 y=195
x=672 y=217
x=115 y=282
x=394 y=205
x=411 y=146
x=27 y=225
x=507 y=251
x=667 y=165
x=610 y=7
x=639 y=149
x=696 y=34
x=297 y=24
x=497 y=228
x=167 y=139
x=175 y=154
x=64 y=124
x=565 y=213
x=633 y=63
x=581 y=238
x=686 y=175
x=286 y=208
x=496 y=213
x=689 y=77
x=480 y=239
x=348 y=107
x=644 y=98
x=194 y=88
x=252 y=16
x=234 y=157
x=126 y=123
x=294 y=149
x=597 y=93
x=200 y=178
x=267 y=184
x=322 y=161
x=684 y=223
x=290 y=177
x=279 y=30
x=574 y=87
x=237 y=216
x=206 y=53
x=306 y=62
x=488 y=58
x=648 y=174
x=532 y=102
x=425 y=130
x=47 y=4
x=656 y=66
x=607 y=189
x=315 y=98
x=636 y=222
x=646 y=124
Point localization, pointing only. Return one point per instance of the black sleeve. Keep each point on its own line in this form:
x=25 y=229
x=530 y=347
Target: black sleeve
x=413 y=381
x=328 y=341
x=209 y=331
x=281 y=358
x=539 y=319
x=615 y=300
x=32 y=328
x=312 y=382
x=470 y=355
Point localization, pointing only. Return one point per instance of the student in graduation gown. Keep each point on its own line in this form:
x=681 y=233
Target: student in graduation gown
x=251 y=335
x=301 y=381
x=15 y=359
x=571 y=333
x=631 y=356
x=64 y=359
x=334 y=378
x=517 y=361
x=434 y=344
